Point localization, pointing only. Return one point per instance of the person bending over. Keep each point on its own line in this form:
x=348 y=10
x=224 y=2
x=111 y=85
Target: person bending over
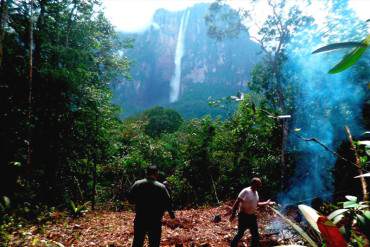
x=246 y=204
x=151 y=200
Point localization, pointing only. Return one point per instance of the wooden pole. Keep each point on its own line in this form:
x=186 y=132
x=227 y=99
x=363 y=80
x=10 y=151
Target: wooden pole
x=30 y=82
x=296 y=227
x=365 y=193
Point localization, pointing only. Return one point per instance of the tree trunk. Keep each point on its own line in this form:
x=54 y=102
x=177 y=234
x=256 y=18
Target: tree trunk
x=365 y=193
x=284 y=124
x=3 y=18
x=93 y=203
x=38 y=36
x=30 y=78
x=282 y=158
x=215 y=190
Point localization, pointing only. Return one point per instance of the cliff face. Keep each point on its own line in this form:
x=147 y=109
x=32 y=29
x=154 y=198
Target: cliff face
x=209 y=68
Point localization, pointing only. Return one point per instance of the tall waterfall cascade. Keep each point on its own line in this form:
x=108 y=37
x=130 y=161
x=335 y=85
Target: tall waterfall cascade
x=175 y=83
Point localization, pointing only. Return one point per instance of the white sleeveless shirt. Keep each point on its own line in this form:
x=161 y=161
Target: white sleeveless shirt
x=249 y=202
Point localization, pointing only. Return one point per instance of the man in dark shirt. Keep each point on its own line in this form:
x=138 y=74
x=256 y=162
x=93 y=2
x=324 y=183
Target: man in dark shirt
x=151 y=200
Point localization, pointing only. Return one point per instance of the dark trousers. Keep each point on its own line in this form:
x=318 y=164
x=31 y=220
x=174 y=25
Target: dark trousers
x=246 y=221
x=152 y=229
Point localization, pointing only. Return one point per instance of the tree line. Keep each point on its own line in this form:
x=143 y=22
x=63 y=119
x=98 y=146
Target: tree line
x=57 y=59
x=63 y=139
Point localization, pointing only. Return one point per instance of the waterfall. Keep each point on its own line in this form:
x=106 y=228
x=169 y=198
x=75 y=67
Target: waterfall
x=176 y=78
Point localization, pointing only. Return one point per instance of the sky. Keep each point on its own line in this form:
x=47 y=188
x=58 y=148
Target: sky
x=136 y=15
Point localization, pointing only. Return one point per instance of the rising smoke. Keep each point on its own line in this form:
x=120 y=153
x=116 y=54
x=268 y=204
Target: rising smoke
x=175 y=83
x=324 y=104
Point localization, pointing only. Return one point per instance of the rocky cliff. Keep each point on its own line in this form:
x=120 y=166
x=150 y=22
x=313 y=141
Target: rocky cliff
x=208 y=68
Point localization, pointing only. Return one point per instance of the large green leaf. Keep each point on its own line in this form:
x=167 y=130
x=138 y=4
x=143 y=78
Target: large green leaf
x=363 y=222
x=341 y=45
x=351 y=198
x=338 y=218
x=350 y=204
x=351 y=58
x=311 y=215
x=297 y=228
x=337 y=212
x=366 y=215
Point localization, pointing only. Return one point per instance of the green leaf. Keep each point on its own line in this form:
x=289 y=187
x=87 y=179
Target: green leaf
x=350 y=204
x=336 y=213
x=351 y=198
x=5 y=202
x=351 y=58
x=360 y=220
x=338 y=218
x=16 y=163
x=367 y=215
x=363 y=222
x=73 y=206
x=310 y=214
x=341 y=45
x=363 y=160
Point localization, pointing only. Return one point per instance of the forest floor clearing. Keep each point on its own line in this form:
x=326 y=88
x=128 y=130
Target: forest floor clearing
x=193 y=227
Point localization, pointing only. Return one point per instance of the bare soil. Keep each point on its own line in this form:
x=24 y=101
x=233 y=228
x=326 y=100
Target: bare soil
x=193 y=227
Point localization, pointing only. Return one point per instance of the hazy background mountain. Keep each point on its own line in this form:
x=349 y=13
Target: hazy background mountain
x=209 y=68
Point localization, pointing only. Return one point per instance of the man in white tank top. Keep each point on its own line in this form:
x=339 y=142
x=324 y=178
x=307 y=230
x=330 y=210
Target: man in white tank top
x=246 y=204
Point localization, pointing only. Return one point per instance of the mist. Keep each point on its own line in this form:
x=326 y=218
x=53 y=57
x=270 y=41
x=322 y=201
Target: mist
x=324 y=105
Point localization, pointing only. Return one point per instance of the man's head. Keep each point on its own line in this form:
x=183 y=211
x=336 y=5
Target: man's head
x=152 y=172
x=256 y=183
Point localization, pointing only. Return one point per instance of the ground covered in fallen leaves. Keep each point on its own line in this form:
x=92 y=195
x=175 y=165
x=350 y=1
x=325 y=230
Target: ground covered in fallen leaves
x=193 y=227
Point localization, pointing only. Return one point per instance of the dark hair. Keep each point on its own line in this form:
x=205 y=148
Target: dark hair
x=152 y=170
x=257 y=181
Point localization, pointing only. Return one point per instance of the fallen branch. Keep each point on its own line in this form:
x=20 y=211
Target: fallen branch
x=312 y=139
x=296 y=227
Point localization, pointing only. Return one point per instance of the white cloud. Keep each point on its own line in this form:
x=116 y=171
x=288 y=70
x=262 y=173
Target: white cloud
x=361 y=7
x=137 y=15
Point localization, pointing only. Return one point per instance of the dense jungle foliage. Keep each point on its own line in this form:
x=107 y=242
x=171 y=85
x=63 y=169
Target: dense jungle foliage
x=63 y=138
x=63 y=141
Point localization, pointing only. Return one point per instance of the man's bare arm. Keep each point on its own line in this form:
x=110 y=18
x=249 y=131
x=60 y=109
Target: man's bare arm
x=169 y=204
x=268 y=202
x=235 y=208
